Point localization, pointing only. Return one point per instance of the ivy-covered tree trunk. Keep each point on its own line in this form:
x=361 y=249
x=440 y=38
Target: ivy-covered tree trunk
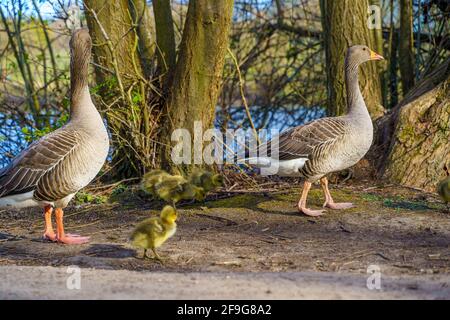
x=198 y=73
x=345 y=24
x=413 y=140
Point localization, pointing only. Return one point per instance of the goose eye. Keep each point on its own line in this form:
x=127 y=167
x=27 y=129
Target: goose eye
x=364 y=49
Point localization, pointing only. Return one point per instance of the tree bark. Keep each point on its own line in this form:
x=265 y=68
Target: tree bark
x=121 y=84
x=377 y=33
x=142 y=19
x=406 y=46
x=115 y=20
x=345 y=24
x=165 y=36
x=198 y=73
x=377 y=40
x=392 y=80
x=412 y=142
x=140 y=118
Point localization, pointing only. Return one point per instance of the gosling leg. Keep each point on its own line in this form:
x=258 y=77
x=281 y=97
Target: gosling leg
x=157 y=256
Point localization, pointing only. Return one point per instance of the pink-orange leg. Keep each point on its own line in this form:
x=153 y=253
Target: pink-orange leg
x=329 y=202
x=302 y=203
x=61 y=236
x=49 y=234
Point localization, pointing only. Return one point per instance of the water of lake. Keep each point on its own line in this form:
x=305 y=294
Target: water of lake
x=280 y=119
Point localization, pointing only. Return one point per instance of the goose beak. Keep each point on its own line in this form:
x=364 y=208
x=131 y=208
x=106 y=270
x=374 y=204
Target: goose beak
x=375 y=56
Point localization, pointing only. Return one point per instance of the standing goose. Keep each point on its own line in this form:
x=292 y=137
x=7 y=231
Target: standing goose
x=328 y=144
x=51 y=170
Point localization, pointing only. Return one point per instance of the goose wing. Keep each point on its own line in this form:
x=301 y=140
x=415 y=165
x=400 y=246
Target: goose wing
x=38 y=163
x=307 y=140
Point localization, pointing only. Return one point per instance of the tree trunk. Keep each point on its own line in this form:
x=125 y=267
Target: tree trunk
x=121 y=84
x=377 y=40
x=165 y=35
x=345 y=24
x=198 y=73
x=412 y=142
x=392 y=60
x=140 y=118
x=377 y=33
x=406 y=47
x=115 y=20
x=142 y=19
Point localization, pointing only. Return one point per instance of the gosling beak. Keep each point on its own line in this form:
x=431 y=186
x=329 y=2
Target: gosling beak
x=375 y=56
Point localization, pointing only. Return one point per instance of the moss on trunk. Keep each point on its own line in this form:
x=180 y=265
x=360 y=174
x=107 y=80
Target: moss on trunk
x=413 y=140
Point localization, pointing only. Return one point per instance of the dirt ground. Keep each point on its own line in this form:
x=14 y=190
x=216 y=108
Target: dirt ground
x=403 y=231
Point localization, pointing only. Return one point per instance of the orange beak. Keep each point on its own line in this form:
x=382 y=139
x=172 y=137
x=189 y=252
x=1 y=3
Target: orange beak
x=375 y=56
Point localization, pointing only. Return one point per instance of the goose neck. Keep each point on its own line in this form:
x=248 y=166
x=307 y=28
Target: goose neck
x=355 y=101
x=82 y=109
x=81 y=105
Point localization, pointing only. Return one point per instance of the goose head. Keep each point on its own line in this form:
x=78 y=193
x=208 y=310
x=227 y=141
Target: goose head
x=359 y=54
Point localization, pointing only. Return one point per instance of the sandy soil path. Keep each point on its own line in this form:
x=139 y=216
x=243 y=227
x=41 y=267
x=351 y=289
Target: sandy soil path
x=51 y=283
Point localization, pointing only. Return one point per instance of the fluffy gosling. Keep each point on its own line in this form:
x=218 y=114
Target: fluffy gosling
x=176 y=188
x=206 y=180
x=150 y=179
x=171 y=188
x=153 y=232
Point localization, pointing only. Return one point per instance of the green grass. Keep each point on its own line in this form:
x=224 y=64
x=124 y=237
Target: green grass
x=88 y=198
x=399 y=202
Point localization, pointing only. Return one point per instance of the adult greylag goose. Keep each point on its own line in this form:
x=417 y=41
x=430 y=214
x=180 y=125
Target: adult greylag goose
x=51 y=170
x=325 y=145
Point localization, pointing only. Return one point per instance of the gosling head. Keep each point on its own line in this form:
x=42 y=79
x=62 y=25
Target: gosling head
x=168 y=214
x=359 y=54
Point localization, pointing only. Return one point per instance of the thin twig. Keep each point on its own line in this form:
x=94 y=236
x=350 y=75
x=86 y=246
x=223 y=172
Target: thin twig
x=244 y=100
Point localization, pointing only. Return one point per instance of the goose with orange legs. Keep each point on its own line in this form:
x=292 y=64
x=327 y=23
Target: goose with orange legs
x=325 y=145
x=54 y=168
